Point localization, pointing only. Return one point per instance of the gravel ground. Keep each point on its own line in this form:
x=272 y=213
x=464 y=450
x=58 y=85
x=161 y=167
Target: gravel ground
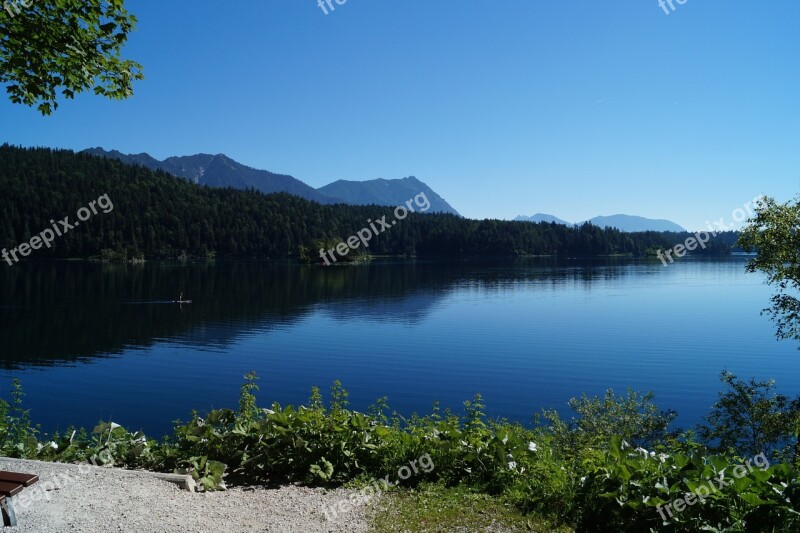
x=90 y=499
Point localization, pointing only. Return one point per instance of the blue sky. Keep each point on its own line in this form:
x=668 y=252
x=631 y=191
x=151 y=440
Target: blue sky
x=576 y=108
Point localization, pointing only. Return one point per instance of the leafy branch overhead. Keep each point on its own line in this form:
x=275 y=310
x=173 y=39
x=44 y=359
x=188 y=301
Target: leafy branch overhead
x=66 y=47
x=774 y=234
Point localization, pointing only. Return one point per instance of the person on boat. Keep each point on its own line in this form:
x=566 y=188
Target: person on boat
x=180 y=298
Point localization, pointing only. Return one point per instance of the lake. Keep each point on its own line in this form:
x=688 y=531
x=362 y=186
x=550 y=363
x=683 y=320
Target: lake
x=98 y=341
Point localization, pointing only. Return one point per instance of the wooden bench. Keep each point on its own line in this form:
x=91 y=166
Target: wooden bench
x=11 y=484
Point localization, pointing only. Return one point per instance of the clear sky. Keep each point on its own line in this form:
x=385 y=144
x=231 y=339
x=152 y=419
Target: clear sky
x=572 y=107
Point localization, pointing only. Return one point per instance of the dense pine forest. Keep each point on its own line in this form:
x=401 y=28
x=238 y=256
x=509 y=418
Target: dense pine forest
x=157 y=215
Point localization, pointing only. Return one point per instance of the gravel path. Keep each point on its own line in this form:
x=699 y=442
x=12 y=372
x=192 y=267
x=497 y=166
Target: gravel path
x=89 y=499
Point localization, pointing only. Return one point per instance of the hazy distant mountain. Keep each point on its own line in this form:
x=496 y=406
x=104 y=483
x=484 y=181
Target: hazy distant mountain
x=221 y=171
x=633 y=223
x=386 y=192
x=542 y=217
x=627 y=223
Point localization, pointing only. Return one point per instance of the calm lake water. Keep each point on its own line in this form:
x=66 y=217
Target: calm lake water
x=94 y=341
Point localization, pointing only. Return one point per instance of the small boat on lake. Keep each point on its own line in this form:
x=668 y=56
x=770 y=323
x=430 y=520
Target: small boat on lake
x=181 y=300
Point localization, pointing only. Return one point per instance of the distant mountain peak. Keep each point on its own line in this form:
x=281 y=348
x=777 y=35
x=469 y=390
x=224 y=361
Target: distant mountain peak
x=628 y=223
x=633 y=223
x=386 y=192
x=542 y=217
x=222 y=171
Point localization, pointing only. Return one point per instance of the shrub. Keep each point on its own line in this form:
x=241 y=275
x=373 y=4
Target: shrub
x=633 y=417
x=750 y=418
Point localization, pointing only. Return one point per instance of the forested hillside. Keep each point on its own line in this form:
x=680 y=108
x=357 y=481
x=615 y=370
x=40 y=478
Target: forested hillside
x=157 y=215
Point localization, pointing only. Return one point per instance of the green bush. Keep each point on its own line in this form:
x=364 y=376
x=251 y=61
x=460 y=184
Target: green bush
x=750 y=418
x=634 y=417
x=636 y=490
x=582 y=473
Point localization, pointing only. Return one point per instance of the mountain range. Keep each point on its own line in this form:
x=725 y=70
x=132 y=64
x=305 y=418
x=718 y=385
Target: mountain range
x=222 y=171
x=541 y=217
x=385 y=192
x=629 y=223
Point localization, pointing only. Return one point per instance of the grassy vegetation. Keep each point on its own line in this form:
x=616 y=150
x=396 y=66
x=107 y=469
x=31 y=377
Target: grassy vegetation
x=614 y=466
x=434 y=507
